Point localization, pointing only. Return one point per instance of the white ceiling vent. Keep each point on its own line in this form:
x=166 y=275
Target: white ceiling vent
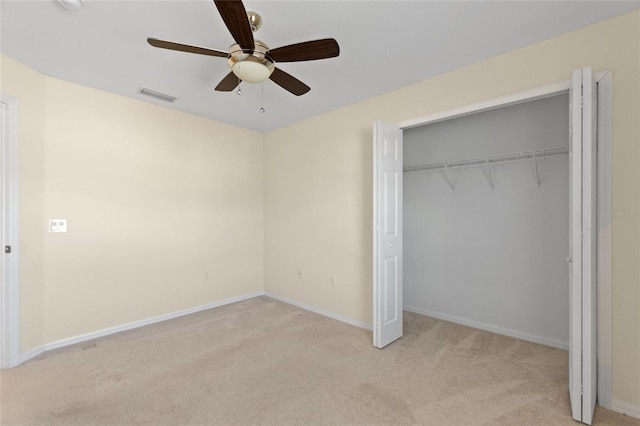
x=70 y=4
x=157 y=95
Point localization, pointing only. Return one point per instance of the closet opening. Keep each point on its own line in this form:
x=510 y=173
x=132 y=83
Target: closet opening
x=486 y=220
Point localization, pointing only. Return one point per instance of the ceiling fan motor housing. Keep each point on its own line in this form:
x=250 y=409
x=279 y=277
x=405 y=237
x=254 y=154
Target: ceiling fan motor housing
x=252 y=66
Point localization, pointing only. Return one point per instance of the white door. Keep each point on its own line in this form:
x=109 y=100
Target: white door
x=582 y=286
x=9 y=285
x=387 y=238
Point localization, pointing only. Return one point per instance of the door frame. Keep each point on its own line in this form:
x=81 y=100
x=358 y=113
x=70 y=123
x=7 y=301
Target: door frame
x=10 y=339
x=603 y=204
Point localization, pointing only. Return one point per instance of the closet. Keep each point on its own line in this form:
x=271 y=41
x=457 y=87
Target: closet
x=486 y=220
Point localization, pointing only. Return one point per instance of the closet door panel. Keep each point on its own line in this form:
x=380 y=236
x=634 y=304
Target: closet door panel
x=387 y=258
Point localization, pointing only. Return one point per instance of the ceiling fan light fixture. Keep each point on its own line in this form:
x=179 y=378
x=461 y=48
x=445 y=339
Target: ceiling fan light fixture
x=252 y=66
x=250 y=71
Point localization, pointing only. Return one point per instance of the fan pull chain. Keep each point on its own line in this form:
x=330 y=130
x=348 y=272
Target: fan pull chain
x=262 y=110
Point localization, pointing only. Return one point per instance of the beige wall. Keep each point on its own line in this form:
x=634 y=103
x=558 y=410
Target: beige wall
x=318 y=184
x=154 y=199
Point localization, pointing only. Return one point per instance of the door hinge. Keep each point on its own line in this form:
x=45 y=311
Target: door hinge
x=7 y=249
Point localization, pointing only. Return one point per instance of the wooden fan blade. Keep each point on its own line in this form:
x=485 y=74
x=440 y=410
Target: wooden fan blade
x=289 y=82
x=306 y=51
x=235 y=18
x=227 y=84
x=186 y=48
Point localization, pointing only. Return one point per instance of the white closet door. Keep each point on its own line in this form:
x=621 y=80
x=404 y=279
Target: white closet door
x=589 y=250
x=387 y=239
x=575 y=255
x=582 y=338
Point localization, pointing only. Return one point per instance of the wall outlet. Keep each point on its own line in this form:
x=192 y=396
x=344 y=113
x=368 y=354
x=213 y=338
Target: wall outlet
x=299 y=274
x=333 y=281
x=206 y=275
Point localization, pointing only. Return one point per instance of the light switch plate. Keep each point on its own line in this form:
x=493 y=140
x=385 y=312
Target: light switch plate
x=57 y=225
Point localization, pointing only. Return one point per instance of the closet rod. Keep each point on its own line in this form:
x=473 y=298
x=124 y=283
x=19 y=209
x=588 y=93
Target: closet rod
x=483 y=161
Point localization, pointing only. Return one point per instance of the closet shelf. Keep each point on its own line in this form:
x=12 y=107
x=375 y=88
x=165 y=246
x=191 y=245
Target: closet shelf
x=489 y=160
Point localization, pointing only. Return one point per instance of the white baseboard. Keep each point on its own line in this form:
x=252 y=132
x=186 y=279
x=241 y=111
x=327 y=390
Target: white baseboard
x=488 y=327
x=319 y=311
x=631 y=410
x=25 y=356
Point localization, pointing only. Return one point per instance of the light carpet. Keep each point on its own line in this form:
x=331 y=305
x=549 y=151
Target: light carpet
x=262 y=361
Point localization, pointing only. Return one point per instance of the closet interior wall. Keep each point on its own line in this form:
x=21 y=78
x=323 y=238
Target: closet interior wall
x=488 y=246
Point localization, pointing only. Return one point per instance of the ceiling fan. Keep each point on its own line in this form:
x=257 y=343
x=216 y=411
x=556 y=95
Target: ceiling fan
x=252 y=60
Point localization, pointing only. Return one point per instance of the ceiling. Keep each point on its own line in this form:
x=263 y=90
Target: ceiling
x=384 y=45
